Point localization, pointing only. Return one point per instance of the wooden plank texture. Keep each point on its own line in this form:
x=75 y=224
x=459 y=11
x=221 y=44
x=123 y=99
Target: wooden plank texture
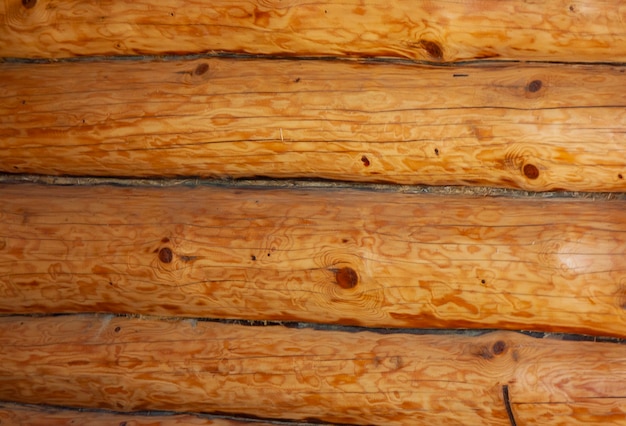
x=273 y=372
x=552 y=30
x=349 y=257
x=16 y=414
x=518 y=126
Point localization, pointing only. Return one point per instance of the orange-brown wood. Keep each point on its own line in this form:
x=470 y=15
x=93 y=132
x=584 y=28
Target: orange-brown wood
x=274 y=372
x=376 y=259
x=552 y=30
x=15 y=414
x=518 y=126
x=599 y=411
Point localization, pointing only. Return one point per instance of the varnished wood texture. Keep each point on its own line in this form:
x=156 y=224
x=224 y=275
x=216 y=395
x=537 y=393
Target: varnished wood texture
x=349 y=257
x=274 y=372
x=16 y=414
x=552 y=30
x=518 y=126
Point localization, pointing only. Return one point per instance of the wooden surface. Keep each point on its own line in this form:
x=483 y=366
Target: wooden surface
x=553 y=30
x=511 y=94
x=15 y=414
x=517 y=126
x=333 y=256
x=274 y=372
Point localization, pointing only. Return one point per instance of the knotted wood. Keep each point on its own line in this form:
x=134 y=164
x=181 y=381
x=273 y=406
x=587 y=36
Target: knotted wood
x=531 y=127
x=273 y=372
x=375 y=259
x=553 y=30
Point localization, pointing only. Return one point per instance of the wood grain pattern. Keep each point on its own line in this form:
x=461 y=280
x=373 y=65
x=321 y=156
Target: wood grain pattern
x=553 y=30
x=349 y=257
x=274 y=372
x=531 y=127
x=16 y=414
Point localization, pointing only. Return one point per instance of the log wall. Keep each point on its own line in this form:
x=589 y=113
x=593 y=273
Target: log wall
x=357 y=212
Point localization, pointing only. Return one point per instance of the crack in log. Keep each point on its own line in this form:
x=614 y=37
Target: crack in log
x=507 y=404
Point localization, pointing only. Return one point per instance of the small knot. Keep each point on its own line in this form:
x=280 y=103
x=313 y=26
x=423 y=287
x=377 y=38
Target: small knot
x=201 y=69
x=534 y=86
x=433 y=49
x=531 y=171
x=498 y=347
x=165 y=255
x=29 y=4
x=346 y=277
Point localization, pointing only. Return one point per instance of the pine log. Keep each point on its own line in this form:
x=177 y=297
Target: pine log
x=524 y=126
x=552 y=30
x=16 y=414
x=274 y=372
x=367 y=258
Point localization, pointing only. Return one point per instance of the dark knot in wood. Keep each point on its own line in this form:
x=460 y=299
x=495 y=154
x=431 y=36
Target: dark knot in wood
x=166 y=255
x=346 y=277
x=531 y=171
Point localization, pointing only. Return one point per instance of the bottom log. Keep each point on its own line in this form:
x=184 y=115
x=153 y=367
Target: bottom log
x=14 y=414
x=127 y=364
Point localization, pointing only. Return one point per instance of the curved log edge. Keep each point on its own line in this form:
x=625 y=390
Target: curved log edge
x=352 y=378
x=347 y=257
x=31 y=415
x=530 y=127
x=555 y=30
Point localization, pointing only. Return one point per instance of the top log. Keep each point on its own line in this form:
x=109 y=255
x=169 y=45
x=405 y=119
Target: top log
x=554 y=30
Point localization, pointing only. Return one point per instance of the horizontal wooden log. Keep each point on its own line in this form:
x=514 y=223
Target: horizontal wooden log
x=16 y=414
x=531 y=127
x=274 y=372
x=554 y=30
x=350 y=257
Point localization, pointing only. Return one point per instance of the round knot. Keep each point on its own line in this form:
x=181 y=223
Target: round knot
x=534 y=86
x=498 y=347
x=531 y=171
x=346 y=277
x=165 y=255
